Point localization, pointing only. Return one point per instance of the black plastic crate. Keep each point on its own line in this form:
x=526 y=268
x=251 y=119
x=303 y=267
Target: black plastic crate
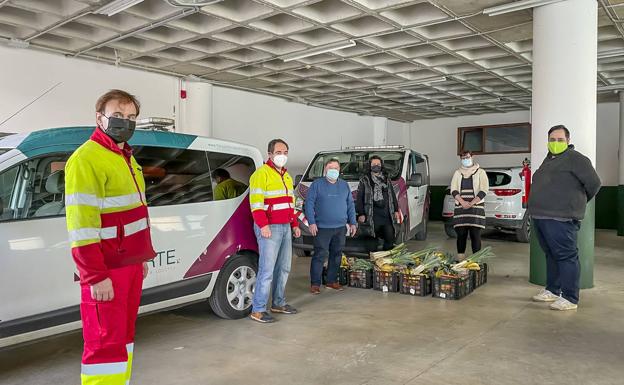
x=362 y=279
x=343 y=276
x=418 y=285
x=452 y=287
x=479 y=277
x=386 y=281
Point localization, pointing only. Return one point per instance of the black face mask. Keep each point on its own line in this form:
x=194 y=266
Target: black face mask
x=120 y=130
x=376 y=169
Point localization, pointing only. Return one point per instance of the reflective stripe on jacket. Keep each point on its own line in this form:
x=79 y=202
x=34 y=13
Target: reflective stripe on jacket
x=271 y=196
x=106 y=211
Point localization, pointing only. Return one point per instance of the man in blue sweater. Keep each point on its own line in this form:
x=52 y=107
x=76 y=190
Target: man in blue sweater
x=329 y=208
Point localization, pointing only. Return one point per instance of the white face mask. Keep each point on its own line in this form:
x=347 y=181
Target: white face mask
x=280 y=160
x=467 y=162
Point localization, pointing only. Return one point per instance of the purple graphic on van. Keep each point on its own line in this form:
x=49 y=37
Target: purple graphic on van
x=236 y=235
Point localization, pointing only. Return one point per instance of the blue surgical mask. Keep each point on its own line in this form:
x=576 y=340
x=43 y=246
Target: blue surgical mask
x=333 y=174
x=467 y=162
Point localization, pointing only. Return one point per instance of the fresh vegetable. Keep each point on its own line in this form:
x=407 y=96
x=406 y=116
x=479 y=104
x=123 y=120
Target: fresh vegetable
x=388 y=253
x=362 y=264
x=477 y=258
x=431 y=260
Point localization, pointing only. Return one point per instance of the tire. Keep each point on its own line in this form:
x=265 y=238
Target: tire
x=523 y=234
x=422 y=234
x=450 y=230
x=238 y=278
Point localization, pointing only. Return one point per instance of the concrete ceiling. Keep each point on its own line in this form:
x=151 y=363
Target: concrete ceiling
x=485 y=60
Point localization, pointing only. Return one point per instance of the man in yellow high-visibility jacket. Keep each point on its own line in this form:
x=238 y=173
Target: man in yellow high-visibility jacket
x=272 y=203
x=108 y=226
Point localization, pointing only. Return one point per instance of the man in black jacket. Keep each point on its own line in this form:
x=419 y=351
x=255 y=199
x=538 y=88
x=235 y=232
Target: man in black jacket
x=561 y=188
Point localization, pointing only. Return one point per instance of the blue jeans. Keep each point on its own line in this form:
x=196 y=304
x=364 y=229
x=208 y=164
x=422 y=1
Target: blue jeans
x=563 y=270
x=328 y=243
x=273 y=267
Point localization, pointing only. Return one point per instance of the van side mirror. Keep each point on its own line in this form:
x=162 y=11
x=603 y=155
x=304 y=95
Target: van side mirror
x=298 y=179
x=416 y=180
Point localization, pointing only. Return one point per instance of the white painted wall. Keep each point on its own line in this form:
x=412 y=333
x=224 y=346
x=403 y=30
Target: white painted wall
x=607 y=142
x=233 y=115
x=246 y=117
x=438 y=139
x=256 y=119
x=26 y=74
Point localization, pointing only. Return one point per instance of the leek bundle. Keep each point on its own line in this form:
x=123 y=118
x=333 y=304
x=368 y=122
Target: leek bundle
x=431 y=260
x=389 y=253
x=474 y=260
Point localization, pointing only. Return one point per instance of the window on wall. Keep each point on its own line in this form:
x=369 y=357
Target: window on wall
x=496 y=139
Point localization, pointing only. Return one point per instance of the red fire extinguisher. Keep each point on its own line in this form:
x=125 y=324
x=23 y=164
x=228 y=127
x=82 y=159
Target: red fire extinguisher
x=526 y=177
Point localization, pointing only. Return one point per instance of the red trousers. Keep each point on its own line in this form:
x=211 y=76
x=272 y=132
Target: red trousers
x=108 y=328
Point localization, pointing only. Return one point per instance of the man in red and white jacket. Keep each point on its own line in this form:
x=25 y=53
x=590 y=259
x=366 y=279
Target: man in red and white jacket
x=108 y=226
x=272 y=204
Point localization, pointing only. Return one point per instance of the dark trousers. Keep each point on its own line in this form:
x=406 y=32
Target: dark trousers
x=328 y=243
x=385 y=232
x=462 y=238
x=558 y=239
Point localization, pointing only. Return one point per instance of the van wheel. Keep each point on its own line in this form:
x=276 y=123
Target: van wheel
x=523 y=234
x=233 y=292
x=450 y=230
x=422 y=234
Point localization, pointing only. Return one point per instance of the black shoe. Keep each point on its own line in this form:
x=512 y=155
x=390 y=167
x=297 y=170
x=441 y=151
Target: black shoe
x=263 y=317
x=286 y=309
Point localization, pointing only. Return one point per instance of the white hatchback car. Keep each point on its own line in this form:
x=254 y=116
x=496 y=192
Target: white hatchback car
x=503 y=204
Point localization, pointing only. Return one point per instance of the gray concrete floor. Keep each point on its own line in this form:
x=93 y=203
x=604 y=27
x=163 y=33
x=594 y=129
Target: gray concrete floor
x=495 y=336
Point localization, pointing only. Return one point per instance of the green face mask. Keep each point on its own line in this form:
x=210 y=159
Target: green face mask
x=557 y=148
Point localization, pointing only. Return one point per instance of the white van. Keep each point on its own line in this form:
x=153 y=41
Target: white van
x=409 y=172
x=206 y=249
x=503 y=204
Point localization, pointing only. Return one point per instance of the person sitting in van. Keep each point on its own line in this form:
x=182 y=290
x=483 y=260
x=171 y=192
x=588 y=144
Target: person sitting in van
x=227 y=188
x=376 y=204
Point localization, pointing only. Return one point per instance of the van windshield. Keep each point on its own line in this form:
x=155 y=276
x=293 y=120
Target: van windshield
x=353 y=164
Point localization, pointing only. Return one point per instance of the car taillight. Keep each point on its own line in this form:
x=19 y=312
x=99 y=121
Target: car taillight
x=502 y=192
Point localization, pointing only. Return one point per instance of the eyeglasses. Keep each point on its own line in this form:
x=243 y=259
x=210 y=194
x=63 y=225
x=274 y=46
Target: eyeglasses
x=560 y=140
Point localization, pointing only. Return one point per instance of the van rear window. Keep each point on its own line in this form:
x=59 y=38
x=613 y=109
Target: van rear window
x=498 y=179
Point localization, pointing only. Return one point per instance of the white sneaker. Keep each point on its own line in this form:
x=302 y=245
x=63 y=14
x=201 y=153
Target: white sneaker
x=563 y=304
x=545 y=296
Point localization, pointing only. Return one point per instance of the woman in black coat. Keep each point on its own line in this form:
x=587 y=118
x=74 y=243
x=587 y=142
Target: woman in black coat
x=376 y=205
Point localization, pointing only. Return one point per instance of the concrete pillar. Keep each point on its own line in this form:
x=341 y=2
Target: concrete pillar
x=620 y=195
x=380 y=131
x=564 y=92
x=195 y=112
